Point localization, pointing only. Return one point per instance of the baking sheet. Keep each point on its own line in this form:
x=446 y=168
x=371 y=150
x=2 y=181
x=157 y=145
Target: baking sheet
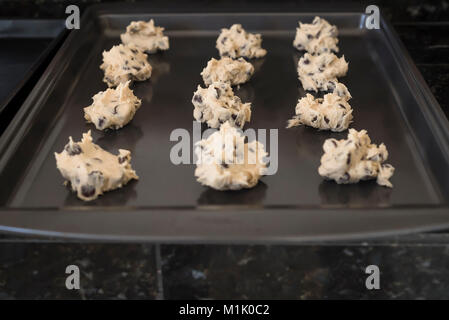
x=390 y=100
x=26 y=46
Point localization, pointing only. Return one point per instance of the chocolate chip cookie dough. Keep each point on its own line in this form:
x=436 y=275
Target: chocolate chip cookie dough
x=90 y=170
x=355 y=158
x=316 y=38
x=332 y=112
x=123 y=63
x=227 y=70
x=235 y=42
x=226 y=162
x=320 y=72
x=217 y=104
x=145 y=36
x=113 y=108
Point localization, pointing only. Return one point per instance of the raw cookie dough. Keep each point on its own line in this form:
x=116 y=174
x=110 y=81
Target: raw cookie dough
x=145 y=36
x=112 y=108
x=90 y=170
x=235 y=42
x=123 y=63
x=332 y=112
x=355 y=159
x=227 y=70
x=226 y=162
x=317 y=37
x=320 y=72
x=217 y=104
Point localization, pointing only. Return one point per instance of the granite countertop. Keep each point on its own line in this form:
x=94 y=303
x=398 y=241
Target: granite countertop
x=412 y=266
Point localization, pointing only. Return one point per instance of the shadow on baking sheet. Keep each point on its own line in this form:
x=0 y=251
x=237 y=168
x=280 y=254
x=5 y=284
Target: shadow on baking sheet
x=254 y=196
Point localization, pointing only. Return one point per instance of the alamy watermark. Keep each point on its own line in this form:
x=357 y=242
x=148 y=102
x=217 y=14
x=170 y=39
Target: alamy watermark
x=373 y=280
x=183 y=152
x=372 y=18
x=72 y=282
x=73 y=20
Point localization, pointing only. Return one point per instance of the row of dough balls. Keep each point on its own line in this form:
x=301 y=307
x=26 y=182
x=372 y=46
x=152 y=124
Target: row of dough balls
x=348 y=160
x=225 y=160
x=87 y=168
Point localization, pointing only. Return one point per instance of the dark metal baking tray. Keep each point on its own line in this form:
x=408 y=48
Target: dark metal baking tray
x=27 y=46
x=390 y=100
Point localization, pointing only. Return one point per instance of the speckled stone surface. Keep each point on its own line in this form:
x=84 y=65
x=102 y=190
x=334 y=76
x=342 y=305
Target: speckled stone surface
x=304 y=272
x=107 y=271
x=412 y=267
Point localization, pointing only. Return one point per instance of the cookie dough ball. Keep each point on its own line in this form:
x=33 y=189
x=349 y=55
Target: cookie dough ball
x=90 y=170
x=112 y=108
x=145 y=36
x=318 y=37
x=235 y=42
x=123 y=63
x=355 y=158
x=332 y=112
x=217 y=104
x=227 y=70
x=226 y=162
x=320 y=72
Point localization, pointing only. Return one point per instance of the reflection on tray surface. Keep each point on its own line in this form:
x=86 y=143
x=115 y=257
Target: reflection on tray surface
x=361 y=194
x=254 y=196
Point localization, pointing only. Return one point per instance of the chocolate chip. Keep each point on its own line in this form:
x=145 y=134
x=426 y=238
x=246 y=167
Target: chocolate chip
x=309 y=36
x=348 y=161
x=334 y=142
x=344 y=178
x=109 y=80
x=218 y=92
x=101 y=121
x=137 y=68
x=306 y=61
x=233 y=116
x=224 y=165
x=342 y=106
x=73 y=149
x=134 y=51
x=198 y=98
x=326 y=119
x=121 y=159
x=87 y=190
x=318 y=34
x=115 y=109
x=314 y=118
